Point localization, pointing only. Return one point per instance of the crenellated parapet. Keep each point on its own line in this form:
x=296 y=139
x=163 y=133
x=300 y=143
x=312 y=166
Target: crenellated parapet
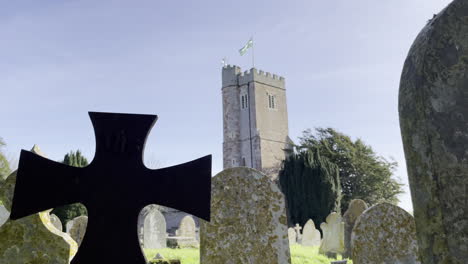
x=233 y=75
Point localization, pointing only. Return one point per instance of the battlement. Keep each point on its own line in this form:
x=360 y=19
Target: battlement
x=233 y=75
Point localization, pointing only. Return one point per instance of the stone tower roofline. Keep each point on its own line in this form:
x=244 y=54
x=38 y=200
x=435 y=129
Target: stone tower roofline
x=233 y=76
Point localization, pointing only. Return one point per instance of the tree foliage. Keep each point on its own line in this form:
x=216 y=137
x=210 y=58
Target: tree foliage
x=69 y=212
x=311 y=184
x=363 y=174
x=5 y=169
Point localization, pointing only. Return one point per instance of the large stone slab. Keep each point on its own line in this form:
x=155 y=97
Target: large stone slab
x=152 y=228
x=433 y=106
x=333 y=234
x=355 y=209
x=310 y=235
x=32 y=239
x=77 y=228
x=248 y=220
x=384 y=233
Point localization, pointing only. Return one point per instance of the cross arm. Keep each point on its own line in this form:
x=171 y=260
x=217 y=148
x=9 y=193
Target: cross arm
x=43 y=184
x=186 y=187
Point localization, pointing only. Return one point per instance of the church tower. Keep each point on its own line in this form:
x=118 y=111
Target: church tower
x=255 y=120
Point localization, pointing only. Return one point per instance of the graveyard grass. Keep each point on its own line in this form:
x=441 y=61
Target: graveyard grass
x=299 y=255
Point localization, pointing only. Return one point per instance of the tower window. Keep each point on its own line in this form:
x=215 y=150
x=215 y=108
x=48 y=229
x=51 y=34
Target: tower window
x=244 y=101
x=233 y=162
x=243 y=161
x=271 y=101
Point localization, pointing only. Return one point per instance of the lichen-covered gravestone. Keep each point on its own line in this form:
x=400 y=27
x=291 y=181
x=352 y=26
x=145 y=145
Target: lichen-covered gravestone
x=433 y=106
x=384 y=233
x=248 y=220
x=310 y=235
x=152 y=228
x=32 y=239
x=355 y=209
x=78 y=228
x=333 y=234
x=292 y=236
x=56 y=222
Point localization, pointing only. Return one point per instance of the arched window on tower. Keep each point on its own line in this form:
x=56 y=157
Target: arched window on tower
x=271 y=101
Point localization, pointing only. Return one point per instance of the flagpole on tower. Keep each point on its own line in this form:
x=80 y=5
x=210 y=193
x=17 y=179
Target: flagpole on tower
x=253 y=55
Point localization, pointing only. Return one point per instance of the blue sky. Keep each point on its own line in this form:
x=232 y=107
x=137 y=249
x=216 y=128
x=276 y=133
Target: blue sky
x=342 y=62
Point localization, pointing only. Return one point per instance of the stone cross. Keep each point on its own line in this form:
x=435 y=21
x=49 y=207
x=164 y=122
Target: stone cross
x=114 y=188
x=298 y=231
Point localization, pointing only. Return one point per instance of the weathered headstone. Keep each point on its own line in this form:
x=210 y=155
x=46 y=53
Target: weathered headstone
x=56 y=222
x=152 y=228
x=187 y=227
x=433 y=107
x=248 y=220
x=384 y=233
x=32 y=239
x=333 y=234
x=4 y=214
x=355 y=209
x=292 y=236
x=310 y=235
x=78 y=228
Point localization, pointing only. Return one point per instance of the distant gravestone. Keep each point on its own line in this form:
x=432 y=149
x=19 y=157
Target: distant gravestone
x=4 y=214
x=355 y=209
x=298 y=229
x=433 y=107
x=310 y=235
x=333 y=234
x=56 y=222
x=152 y=228
x=68 y=226
x=292 y=236
x=78 y=228
x=248 y=220
x=32 y=239
x=187 y=227
x=384 y=233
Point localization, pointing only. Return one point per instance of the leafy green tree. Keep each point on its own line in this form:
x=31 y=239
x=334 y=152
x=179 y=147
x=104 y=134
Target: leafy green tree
x=69 y=212
x=311 y=185
x=363 y=174
x=4 y=164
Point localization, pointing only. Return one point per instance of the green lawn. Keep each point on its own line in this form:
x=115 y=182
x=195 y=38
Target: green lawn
x=300 y=255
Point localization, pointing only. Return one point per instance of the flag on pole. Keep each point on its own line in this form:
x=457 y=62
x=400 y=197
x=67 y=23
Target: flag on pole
x=246 y=47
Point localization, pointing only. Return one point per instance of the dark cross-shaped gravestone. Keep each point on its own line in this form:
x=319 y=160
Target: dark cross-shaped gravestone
x=114 y=188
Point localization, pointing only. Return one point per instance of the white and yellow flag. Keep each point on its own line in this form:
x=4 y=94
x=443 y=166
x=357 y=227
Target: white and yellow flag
x=246 y=47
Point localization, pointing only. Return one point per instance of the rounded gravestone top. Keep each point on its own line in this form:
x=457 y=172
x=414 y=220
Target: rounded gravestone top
x=310 y=235
x=384 y=233
x=248 y=220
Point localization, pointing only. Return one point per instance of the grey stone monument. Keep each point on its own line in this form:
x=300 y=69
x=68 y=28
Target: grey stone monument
x=355 y=209
x=152 y=228
x=310 y=235
x=333 y=235
x=433 y=107
x=187 y=227
x=78 y=228
x=384 y=233
x=248 y=220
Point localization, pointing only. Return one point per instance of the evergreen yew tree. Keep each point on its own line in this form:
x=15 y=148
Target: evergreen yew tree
x=69 y=212
x=311 y=185
x=363 y=174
